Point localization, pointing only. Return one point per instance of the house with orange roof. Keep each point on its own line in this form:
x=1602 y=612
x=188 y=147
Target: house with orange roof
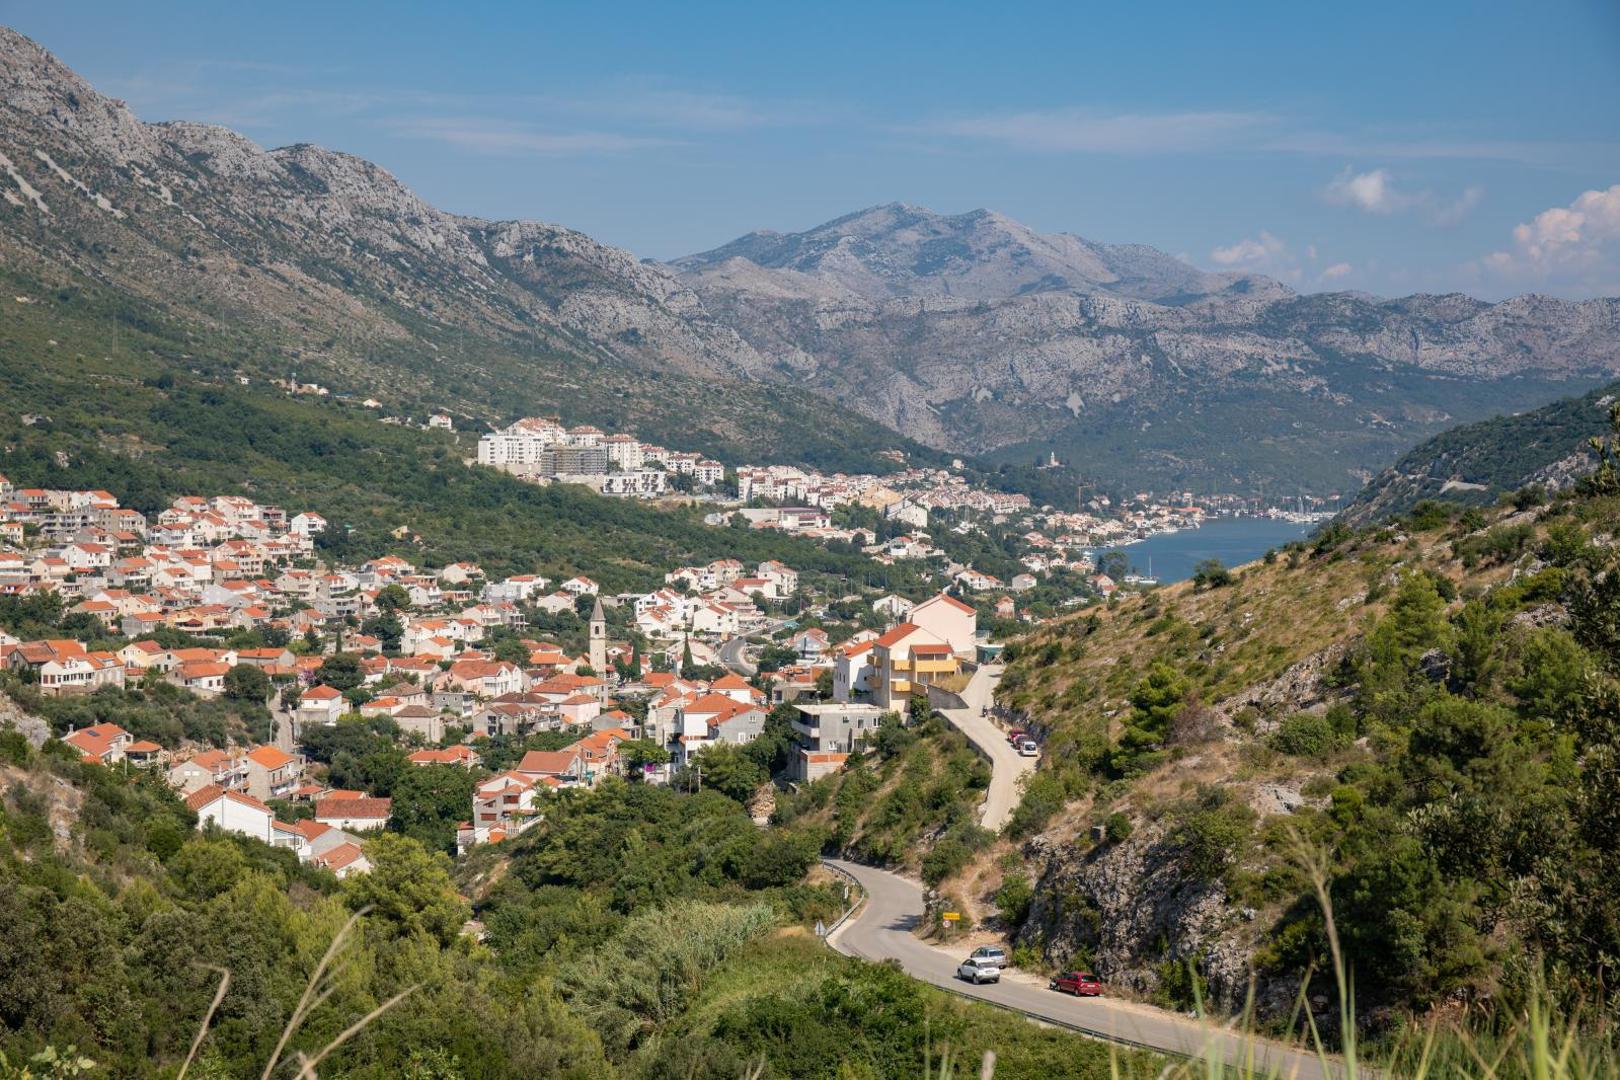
x=203 y=678
x=232 y=811
x=567 y=766
x=320 y=706
x=950 y=621
x=344 y=860
x=271 y=773
x=208 y=768
x=104 y=744
x=358 y=815
x=852 y=671
x=904 y=661
x=461 y=755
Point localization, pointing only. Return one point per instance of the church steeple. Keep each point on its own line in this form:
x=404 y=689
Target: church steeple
x=598 y=629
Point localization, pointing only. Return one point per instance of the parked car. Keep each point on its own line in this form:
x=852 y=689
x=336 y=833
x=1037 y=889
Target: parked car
x=1014 y=735
x=990 y=952
x=1029 y=748
x=1078 y=983
x=978 y=971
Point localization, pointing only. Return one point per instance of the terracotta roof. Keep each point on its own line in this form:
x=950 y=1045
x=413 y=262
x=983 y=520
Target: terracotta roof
x=213 y=792
x=338 y=857
x=897 y=634
x=553 y=762
x=374 y=809
x=953 y=601
x=269 y=757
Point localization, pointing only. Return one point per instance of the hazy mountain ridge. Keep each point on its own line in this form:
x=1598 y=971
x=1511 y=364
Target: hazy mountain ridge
x=973 y=331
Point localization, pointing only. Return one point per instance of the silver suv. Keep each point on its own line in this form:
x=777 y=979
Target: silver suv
x=978 y=970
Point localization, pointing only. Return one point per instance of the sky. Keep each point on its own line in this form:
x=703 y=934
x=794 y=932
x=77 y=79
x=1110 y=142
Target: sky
x=1385 y=147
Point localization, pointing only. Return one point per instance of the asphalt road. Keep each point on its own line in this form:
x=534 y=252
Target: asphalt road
x=734 y=654
x=881 y=930
x=1007 y=766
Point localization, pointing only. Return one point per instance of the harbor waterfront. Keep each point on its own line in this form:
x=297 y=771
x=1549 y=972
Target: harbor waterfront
x=1172 y=556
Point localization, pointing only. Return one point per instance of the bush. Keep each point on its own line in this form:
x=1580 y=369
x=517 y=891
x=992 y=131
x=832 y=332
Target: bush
x=1307 y=735
x=1043 y=797
x=1213 y=835
x=1117 y=828
x=1013 y=900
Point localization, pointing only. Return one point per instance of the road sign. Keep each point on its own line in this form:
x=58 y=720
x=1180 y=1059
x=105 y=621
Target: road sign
x=951 y=916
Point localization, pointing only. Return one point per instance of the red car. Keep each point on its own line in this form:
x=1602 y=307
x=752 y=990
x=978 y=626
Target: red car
x=1014 y=735
x=1078 y=983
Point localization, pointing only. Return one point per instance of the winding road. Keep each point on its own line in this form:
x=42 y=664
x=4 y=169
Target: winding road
x=881 y=930
x=734 y=654
x=1007 y=766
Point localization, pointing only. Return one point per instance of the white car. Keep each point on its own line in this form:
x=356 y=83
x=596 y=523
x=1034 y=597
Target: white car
x=977 y=969
x=1029 y=748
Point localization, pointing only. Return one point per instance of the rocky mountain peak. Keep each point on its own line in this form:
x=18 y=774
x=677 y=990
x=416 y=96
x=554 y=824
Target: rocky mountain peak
x=34 y=83
x=898 y=250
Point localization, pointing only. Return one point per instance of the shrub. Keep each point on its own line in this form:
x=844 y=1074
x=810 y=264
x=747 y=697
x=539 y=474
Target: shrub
x=1117 y=828
x=1306 y=735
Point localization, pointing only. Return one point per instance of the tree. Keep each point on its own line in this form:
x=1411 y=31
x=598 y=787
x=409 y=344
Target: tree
x=429 y=801
x=1155 y=702
x=730 y=771
x=408 y=889
x=1115 y=564
x=392 y=599
x=1211 y=574
x=340 y=671
x=244 y=682
x=637 y=753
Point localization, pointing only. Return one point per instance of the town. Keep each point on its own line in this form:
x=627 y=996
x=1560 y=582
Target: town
x=533 y=685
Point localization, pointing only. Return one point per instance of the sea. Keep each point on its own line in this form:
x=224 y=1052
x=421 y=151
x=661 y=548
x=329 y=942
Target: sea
x=1233 y=541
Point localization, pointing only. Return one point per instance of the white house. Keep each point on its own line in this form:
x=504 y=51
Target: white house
x=949 y=620
x=233 y=811
x=307 y=524
x=320 y=705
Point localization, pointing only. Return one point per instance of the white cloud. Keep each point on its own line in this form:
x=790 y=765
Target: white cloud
x=1376 y=192
x=1082 y=129
x=1576 y=245
x=1337 y=270
x=1373 y=192
x=1453 y=212
x=1256 y=252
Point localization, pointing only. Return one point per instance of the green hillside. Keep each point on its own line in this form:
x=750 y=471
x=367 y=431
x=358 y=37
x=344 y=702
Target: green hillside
x=1476 y=463
x=99 y=394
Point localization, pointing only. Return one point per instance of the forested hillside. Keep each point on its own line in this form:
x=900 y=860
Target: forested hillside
x=100 y=395
x=1426 y=713
x=1476 y=463
x=636 y=932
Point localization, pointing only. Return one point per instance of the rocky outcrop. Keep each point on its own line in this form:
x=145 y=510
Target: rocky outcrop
x=1130 y=910
x=1302 y=687
x=35 y=730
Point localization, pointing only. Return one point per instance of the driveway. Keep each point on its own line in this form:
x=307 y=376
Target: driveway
x=881 y=930
x=1007 y=767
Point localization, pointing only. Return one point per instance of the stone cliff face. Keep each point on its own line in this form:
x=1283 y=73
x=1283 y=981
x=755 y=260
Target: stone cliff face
x=319 y=245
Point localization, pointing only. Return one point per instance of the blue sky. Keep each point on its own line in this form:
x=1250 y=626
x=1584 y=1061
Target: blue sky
x=1386 y=147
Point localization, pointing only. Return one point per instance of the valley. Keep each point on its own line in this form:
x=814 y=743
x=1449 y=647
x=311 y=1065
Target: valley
x=443 y=645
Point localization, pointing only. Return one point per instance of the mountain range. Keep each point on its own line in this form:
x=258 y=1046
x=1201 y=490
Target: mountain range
x=968 y=334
